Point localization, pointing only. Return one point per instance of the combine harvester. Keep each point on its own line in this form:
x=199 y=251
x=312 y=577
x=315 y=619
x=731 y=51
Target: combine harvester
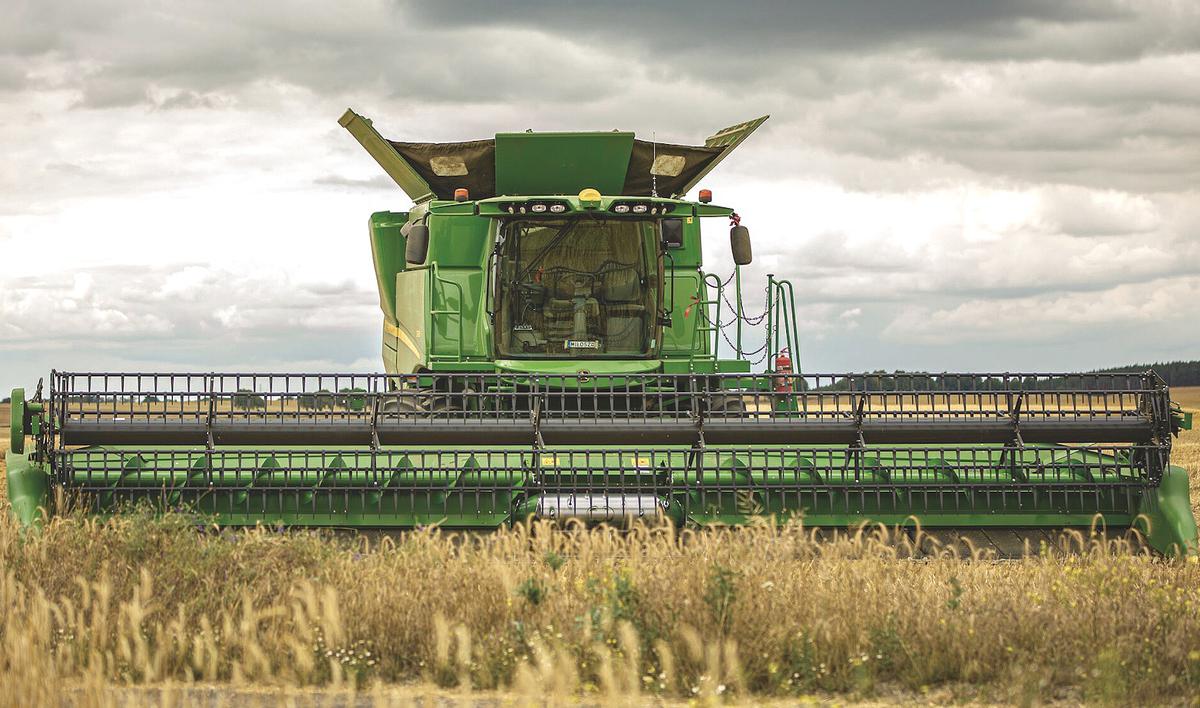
x=553 y=348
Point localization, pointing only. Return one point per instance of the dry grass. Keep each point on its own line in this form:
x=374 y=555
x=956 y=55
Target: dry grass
x=757 y=612
x=93 y=612
x=1186 y=451
x=1187 y=396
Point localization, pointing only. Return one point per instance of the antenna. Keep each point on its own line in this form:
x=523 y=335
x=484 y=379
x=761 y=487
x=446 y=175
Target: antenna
x=653 y=157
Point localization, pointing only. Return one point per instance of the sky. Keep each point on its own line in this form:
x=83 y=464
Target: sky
x=950 y=185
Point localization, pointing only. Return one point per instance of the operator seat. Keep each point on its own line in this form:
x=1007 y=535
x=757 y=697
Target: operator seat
x=623 y=311
x=559 y=310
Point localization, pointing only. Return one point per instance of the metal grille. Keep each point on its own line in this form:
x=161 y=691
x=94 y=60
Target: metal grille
x=504 y=409
x=468 y=486
x=480 y=449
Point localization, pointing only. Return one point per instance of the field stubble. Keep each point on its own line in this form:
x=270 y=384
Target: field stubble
x=145 y=610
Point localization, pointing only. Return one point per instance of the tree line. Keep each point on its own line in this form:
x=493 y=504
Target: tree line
x=353 y=399
x=245 y=399
x=1174 y=373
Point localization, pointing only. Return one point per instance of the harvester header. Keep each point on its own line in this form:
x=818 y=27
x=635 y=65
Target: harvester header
x=553 y=347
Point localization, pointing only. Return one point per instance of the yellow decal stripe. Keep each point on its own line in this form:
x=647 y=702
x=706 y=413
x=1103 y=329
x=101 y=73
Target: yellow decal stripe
x=402 y=336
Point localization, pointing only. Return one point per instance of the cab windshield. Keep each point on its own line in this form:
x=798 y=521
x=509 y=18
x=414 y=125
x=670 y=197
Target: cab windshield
x=577 y=288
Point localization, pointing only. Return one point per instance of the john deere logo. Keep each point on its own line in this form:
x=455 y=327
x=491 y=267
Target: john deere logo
x=584 y=375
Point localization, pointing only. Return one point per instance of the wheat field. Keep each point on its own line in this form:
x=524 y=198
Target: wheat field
x=150 y=611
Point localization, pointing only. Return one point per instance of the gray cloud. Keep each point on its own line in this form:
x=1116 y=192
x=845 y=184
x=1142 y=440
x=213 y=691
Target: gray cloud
x=1048 y=317
x=1079 y=212
x=180 y=308
x=948 y=27
x=928 y=165
x=1061 y=92
x=376 y=182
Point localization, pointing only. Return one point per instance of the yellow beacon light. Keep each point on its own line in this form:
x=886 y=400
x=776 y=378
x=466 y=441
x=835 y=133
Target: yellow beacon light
x=589 y=198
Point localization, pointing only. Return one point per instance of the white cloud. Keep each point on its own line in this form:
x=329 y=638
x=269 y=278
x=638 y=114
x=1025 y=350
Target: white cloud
x=942 y=184
x=1159 y=303
x=189 y=304
x=1081 y=212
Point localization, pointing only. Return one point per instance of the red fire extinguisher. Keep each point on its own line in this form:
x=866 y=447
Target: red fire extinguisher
x=782 y=381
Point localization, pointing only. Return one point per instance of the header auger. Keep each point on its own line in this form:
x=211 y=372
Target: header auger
x=553 y=348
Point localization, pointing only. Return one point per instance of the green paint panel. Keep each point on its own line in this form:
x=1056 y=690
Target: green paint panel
x=1166 y=515
x=570 y=367
x=387 y=253
x=458 y=241
x=28 y=488
x=561 y=163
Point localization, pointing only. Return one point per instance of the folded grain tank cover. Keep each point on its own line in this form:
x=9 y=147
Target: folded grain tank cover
x=446 y=167
x=546 y=163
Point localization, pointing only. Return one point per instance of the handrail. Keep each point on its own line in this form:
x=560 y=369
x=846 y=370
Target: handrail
x=712 y=326
x=433 y=312
x=788 y=306
x=781 y=315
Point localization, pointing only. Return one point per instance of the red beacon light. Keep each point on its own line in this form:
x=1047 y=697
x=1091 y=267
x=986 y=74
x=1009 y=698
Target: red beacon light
x=461 y=195
x=705 y=196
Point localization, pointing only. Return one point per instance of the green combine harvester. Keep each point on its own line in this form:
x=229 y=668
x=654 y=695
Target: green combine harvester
x=553 y=348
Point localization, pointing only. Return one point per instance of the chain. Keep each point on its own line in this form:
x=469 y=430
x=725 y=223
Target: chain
x=761 y=349
x=762 y=358
x=722 y=327
x=752 y=321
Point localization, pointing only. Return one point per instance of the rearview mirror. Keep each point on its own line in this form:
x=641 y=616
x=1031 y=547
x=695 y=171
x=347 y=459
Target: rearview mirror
x=417 y=246
x=739 y=243
x=672 y=233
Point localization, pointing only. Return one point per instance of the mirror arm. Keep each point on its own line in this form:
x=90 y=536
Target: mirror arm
x=672 y=286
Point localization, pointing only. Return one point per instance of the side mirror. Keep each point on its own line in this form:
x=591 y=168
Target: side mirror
x=739 y=243
x=417 y=246
x=672 y=233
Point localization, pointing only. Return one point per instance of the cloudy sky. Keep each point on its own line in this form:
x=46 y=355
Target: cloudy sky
x=950 y=185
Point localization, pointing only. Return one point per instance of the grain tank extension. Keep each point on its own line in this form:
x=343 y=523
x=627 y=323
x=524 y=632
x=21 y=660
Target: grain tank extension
x=554 y=348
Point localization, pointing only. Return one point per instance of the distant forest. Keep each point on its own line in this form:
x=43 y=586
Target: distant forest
x=1174 y=373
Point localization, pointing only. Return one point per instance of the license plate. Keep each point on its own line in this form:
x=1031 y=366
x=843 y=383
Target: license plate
x=581 y=344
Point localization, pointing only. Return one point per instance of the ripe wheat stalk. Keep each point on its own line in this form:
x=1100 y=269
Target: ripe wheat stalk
x=147 y=610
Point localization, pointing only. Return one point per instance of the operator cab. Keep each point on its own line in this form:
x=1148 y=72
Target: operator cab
x=580 y=287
